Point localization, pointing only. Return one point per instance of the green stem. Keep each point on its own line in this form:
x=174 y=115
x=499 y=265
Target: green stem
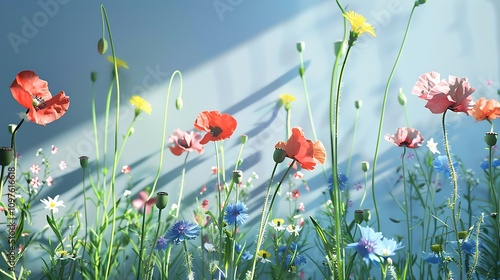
x=162 y=147
x=86 y=215
x=288 y=122
x=188 y=261
x=262 y=224
x=148 y=264
x=335 y=84
x=115 y=159
x=452 y=204
x=336 y=191
x=141 y=247
x=407 y=212
x=219 y=204
x=382 y=113
x=308 y=103
x=183 y=175
x=356 y=118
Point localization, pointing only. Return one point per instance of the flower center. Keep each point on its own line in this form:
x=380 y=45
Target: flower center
x=38 y=103
x=367 y=244
x=215 y=131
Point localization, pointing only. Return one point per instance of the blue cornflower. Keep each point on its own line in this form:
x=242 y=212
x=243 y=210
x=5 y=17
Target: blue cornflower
x=245 y=255
x=161 y=243
x=234 y=213
x=341 y=179
x=367 y=244
x=182 y=230
x=433 y=258
x=387 y=247
x=486 y=164
x=468 y=245
x=296 y=261
x=441 y=165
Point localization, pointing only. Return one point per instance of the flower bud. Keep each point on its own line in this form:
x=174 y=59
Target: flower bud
x=301 y=46
x=102 y=46
x=402 y=97
x=244 y=139
x=358 y=216
x=161 y=200
x=358 y=104
x=365 y=166
x=491 y=138
x=437 y=248
x=279 y=155
x=84 y=161
x=367 y=215
x=462 y=234
x=389 y=261
x=6 y=155
x=494 y=215
x=237 y=176
x=178 y=103
x=12 y=128
x=93 y=76
x=302 y=70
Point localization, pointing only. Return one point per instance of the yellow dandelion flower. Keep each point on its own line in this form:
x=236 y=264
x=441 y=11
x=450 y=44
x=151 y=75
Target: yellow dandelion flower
x=119 y=62
x=287 y=98
x=359 y=25
x=140 y=104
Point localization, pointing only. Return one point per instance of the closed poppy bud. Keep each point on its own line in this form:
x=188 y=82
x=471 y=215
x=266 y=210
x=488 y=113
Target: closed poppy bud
x=302 y=70
x=402 y=97
x=358 y=104
x=84 y=161
x=102 y=46
x=244 y=139
x=93 y=76
x=491 y=138
x=358 y=216
x=365 y=166
x=12 y=128
x=301 y=46
x=367 y=215
x=238 y=176
x=6 y=156
x=161 y=200
x=279 y=155
x=178 y=103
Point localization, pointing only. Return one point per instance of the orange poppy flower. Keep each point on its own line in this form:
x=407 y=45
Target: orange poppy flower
x=33 y=93
x=306 y=152
x=485 y=109
x=218 y=126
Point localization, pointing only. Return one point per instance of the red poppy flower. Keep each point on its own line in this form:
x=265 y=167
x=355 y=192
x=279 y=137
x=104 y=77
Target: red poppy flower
x=303 y=150
x=185 y=141
x=441 y=95
x=33 y=93
x=219 y=126
x=406 y=136
x=485 y=109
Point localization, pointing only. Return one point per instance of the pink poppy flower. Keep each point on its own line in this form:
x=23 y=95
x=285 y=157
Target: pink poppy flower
x=185 y=141
x=406 y=136
x=126 y=169
x=139 y=202
x=441 y=95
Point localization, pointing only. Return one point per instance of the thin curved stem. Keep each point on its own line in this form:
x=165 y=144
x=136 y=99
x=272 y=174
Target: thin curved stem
x=384 y=103
x=407 y=212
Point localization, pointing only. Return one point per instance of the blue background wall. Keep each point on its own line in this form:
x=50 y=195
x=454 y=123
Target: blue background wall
x=239 y=60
